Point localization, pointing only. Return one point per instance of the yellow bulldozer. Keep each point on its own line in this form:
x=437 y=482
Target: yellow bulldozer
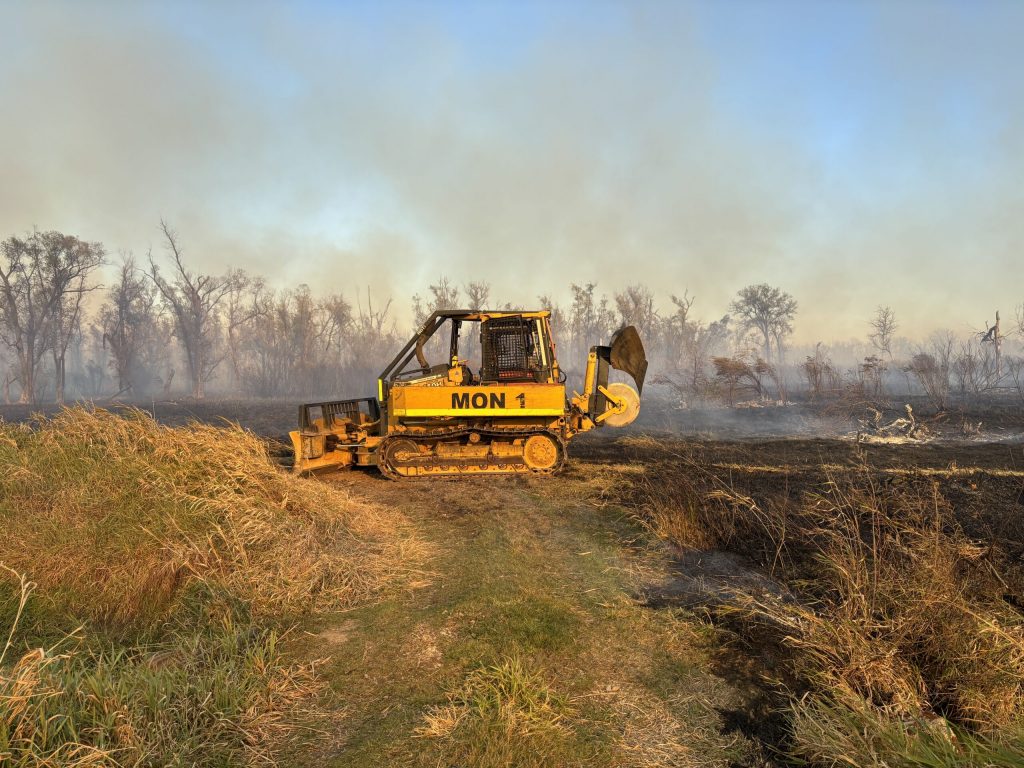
x=511 y=415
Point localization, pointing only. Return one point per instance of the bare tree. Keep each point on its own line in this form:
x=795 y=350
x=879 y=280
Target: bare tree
x=974 y=369
x=478 y=294
x=636 y=307
x=69 y=264
x=443 y=295
x=591 y=321
x=247 y=299
x=678 y=333
x=7 y=378
x=687 y=347
x=93 y=360
x=127 y=322
x=558 y=319
x=335 y=321
x=931 y=367
x=994 y=335
x=43 y=278
x=871 y=373
x=1016 y=371
x=193 y=300
x=373 y=340
x=683 y=304
x=266 y=354
x=769 y=311
x=883 y=329
x=821 y=375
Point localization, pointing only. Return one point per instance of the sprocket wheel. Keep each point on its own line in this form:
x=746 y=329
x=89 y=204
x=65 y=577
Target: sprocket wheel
x=541 y=453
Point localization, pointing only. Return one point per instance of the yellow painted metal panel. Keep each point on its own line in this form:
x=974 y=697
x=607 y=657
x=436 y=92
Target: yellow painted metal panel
x=501 y=400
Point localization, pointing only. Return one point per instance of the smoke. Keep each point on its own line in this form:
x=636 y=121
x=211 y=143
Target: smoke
x=855 y=155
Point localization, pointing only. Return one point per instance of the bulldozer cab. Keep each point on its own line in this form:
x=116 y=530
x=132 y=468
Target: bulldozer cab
x=516 y=348
x=472 y=348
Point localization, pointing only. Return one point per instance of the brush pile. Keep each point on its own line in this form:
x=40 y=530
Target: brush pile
x=902 y=428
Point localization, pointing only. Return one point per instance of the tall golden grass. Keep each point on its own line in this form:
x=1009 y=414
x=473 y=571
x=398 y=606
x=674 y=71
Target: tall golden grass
x=164 y=564
x=117 y=517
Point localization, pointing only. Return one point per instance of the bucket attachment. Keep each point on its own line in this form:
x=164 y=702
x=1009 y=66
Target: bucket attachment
x=627 y=354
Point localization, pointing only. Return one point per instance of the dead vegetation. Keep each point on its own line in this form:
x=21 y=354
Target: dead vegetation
x=908 y=427
x=165 y=566
x=905 y=644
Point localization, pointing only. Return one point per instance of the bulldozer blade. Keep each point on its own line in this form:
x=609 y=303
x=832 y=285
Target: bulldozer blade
x=627 y=354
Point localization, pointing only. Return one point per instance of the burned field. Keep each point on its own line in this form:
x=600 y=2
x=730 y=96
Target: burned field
x=876 y=589
x=669 y=599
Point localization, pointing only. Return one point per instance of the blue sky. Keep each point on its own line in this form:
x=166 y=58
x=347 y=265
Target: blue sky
x=853 y=153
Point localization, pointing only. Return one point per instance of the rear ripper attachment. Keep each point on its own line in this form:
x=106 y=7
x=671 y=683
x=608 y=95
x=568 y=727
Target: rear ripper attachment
x=504 y=413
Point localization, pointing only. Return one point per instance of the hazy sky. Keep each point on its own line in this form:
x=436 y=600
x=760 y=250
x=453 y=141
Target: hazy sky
x=853 y=153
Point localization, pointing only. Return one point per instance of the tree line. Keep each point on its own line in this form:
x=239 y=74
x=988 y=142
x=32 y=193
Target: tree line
x=164 y=326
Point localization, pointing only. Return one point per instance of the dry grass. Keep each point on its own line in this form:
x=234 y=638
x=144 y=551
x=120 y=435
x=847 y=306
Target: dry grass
x=118 y=517
x=650 y=735
x=174 y=558
x=903 y=621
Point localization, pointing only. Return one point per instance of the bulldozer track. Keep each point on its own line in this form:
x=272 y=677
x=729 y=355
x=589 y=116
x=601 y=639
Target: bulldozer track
x=459 y=466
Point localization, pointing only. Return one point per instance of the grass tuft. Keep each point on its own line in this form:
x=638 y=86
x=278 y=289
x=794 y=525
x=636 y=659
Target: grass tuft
x=505 y=714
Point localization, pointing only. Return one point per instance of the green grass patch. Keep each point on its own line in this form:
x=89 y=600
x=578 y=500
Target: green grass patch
x=507 y=714
x=522 y=622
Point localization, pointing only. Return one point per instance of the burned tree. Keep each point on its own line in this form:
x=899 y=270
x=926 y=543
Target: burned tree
x=193 y=300
x=687 y=346
x=994 y=336
x=43 y=279
x=739 y=373
x=931 y=367
x=7 y=378
x=69 y=263
x=558 y=320
x=335 y=318
x=883 y=329
x=266 y=357
x=373 y=339
x=821 y=375
x=871 y=373
x=443 y=295
x=769 y=311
